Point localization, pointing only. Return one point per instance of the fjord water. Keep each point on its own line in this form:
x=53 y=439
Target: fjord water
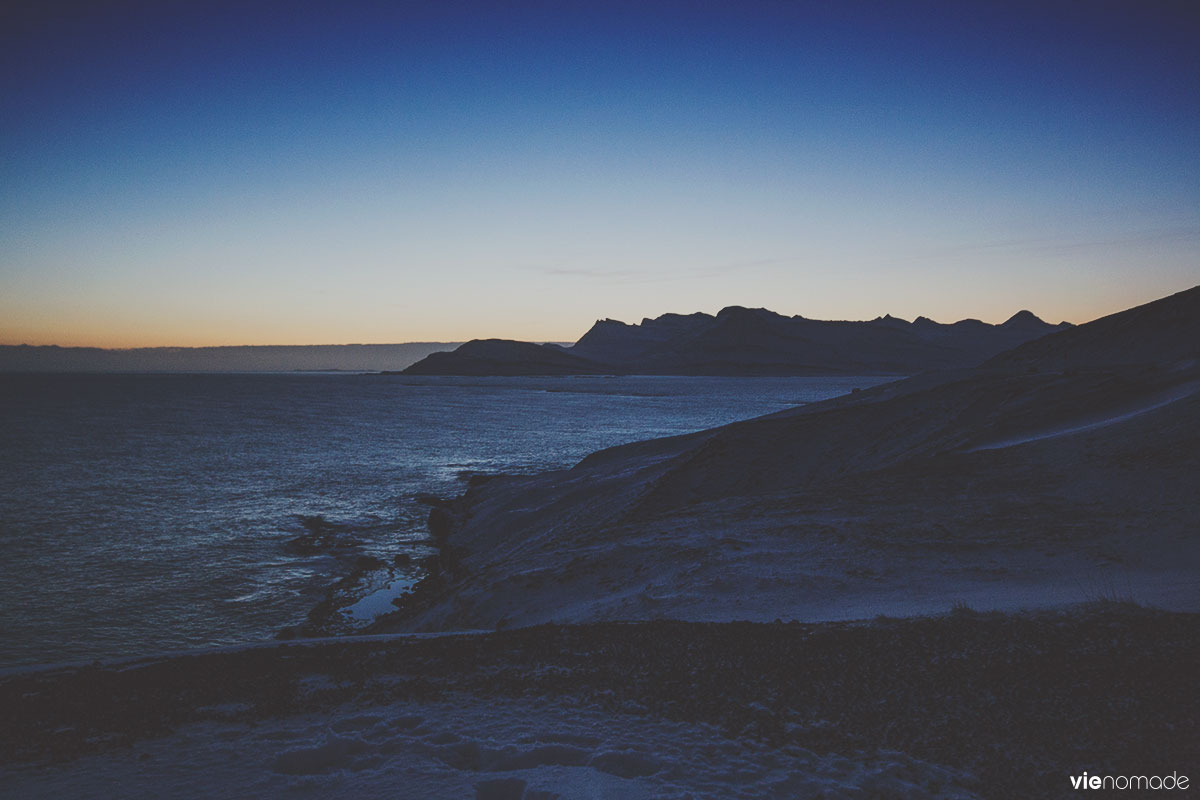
x=141 y=513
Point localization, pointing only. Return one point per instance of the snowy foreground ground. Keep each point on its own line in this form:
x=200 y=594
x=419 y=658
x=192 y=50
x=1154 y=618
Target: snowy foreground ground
x=475 y=747
x=963 y=705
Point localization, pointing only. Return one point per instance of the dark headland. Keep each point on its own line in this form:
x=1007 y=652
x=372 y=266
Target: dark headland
x=632 y=618
x=746 y=341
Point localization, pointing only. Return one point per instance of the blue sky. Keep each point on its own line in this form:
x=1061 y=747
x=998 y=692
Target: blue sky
x=188 y=174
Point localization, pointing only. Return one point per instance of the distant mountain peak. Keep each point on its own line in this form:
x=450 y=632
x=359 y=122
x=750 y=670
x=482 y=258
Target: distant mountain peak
x=1163 y=331
x=742 y=311
x=888 y=321
x=1024 y=317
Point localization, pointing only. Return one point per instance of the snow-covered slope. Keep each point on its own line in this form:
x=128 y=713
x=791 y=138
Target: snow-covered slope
x=892 y=500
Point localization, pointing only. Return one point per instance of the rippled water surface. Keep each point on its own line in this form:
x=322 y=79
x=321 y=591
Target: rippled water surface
x=149 y=512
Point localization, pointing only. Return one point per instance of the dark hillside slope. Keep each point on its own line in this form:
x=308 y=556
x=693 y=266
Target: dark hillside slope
x=1015 y=484
x=1165 y=331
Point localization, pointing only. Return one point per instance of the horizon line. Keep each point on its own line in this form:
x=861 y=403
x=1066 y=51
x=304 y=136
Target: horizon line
x=535 y=340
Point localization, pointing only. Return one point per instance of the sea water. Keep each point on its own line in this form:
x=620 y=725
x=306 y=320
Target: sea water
x=141 y=513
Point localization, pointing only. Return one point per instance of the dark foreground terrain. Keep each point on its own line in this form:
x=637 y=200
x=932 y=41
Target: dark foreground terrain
x=1012 y=704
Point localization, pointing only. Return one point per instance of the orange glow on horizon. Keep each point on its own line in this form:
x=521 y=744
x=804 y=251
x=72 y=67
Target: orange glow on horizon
x=94 y=331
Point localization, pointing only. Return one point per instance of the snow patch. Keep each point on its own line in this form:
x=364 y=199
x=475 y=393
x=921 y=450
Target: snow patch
x=1180 y=393
x=531 y=749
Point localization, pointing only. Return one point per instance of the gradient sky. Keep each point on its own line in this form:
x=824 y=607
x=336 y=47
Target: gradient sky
x=181 y=173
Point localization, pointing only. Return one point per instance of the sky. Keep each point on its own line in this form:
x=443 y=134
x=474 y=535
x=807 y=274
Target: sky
x=177 y=173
